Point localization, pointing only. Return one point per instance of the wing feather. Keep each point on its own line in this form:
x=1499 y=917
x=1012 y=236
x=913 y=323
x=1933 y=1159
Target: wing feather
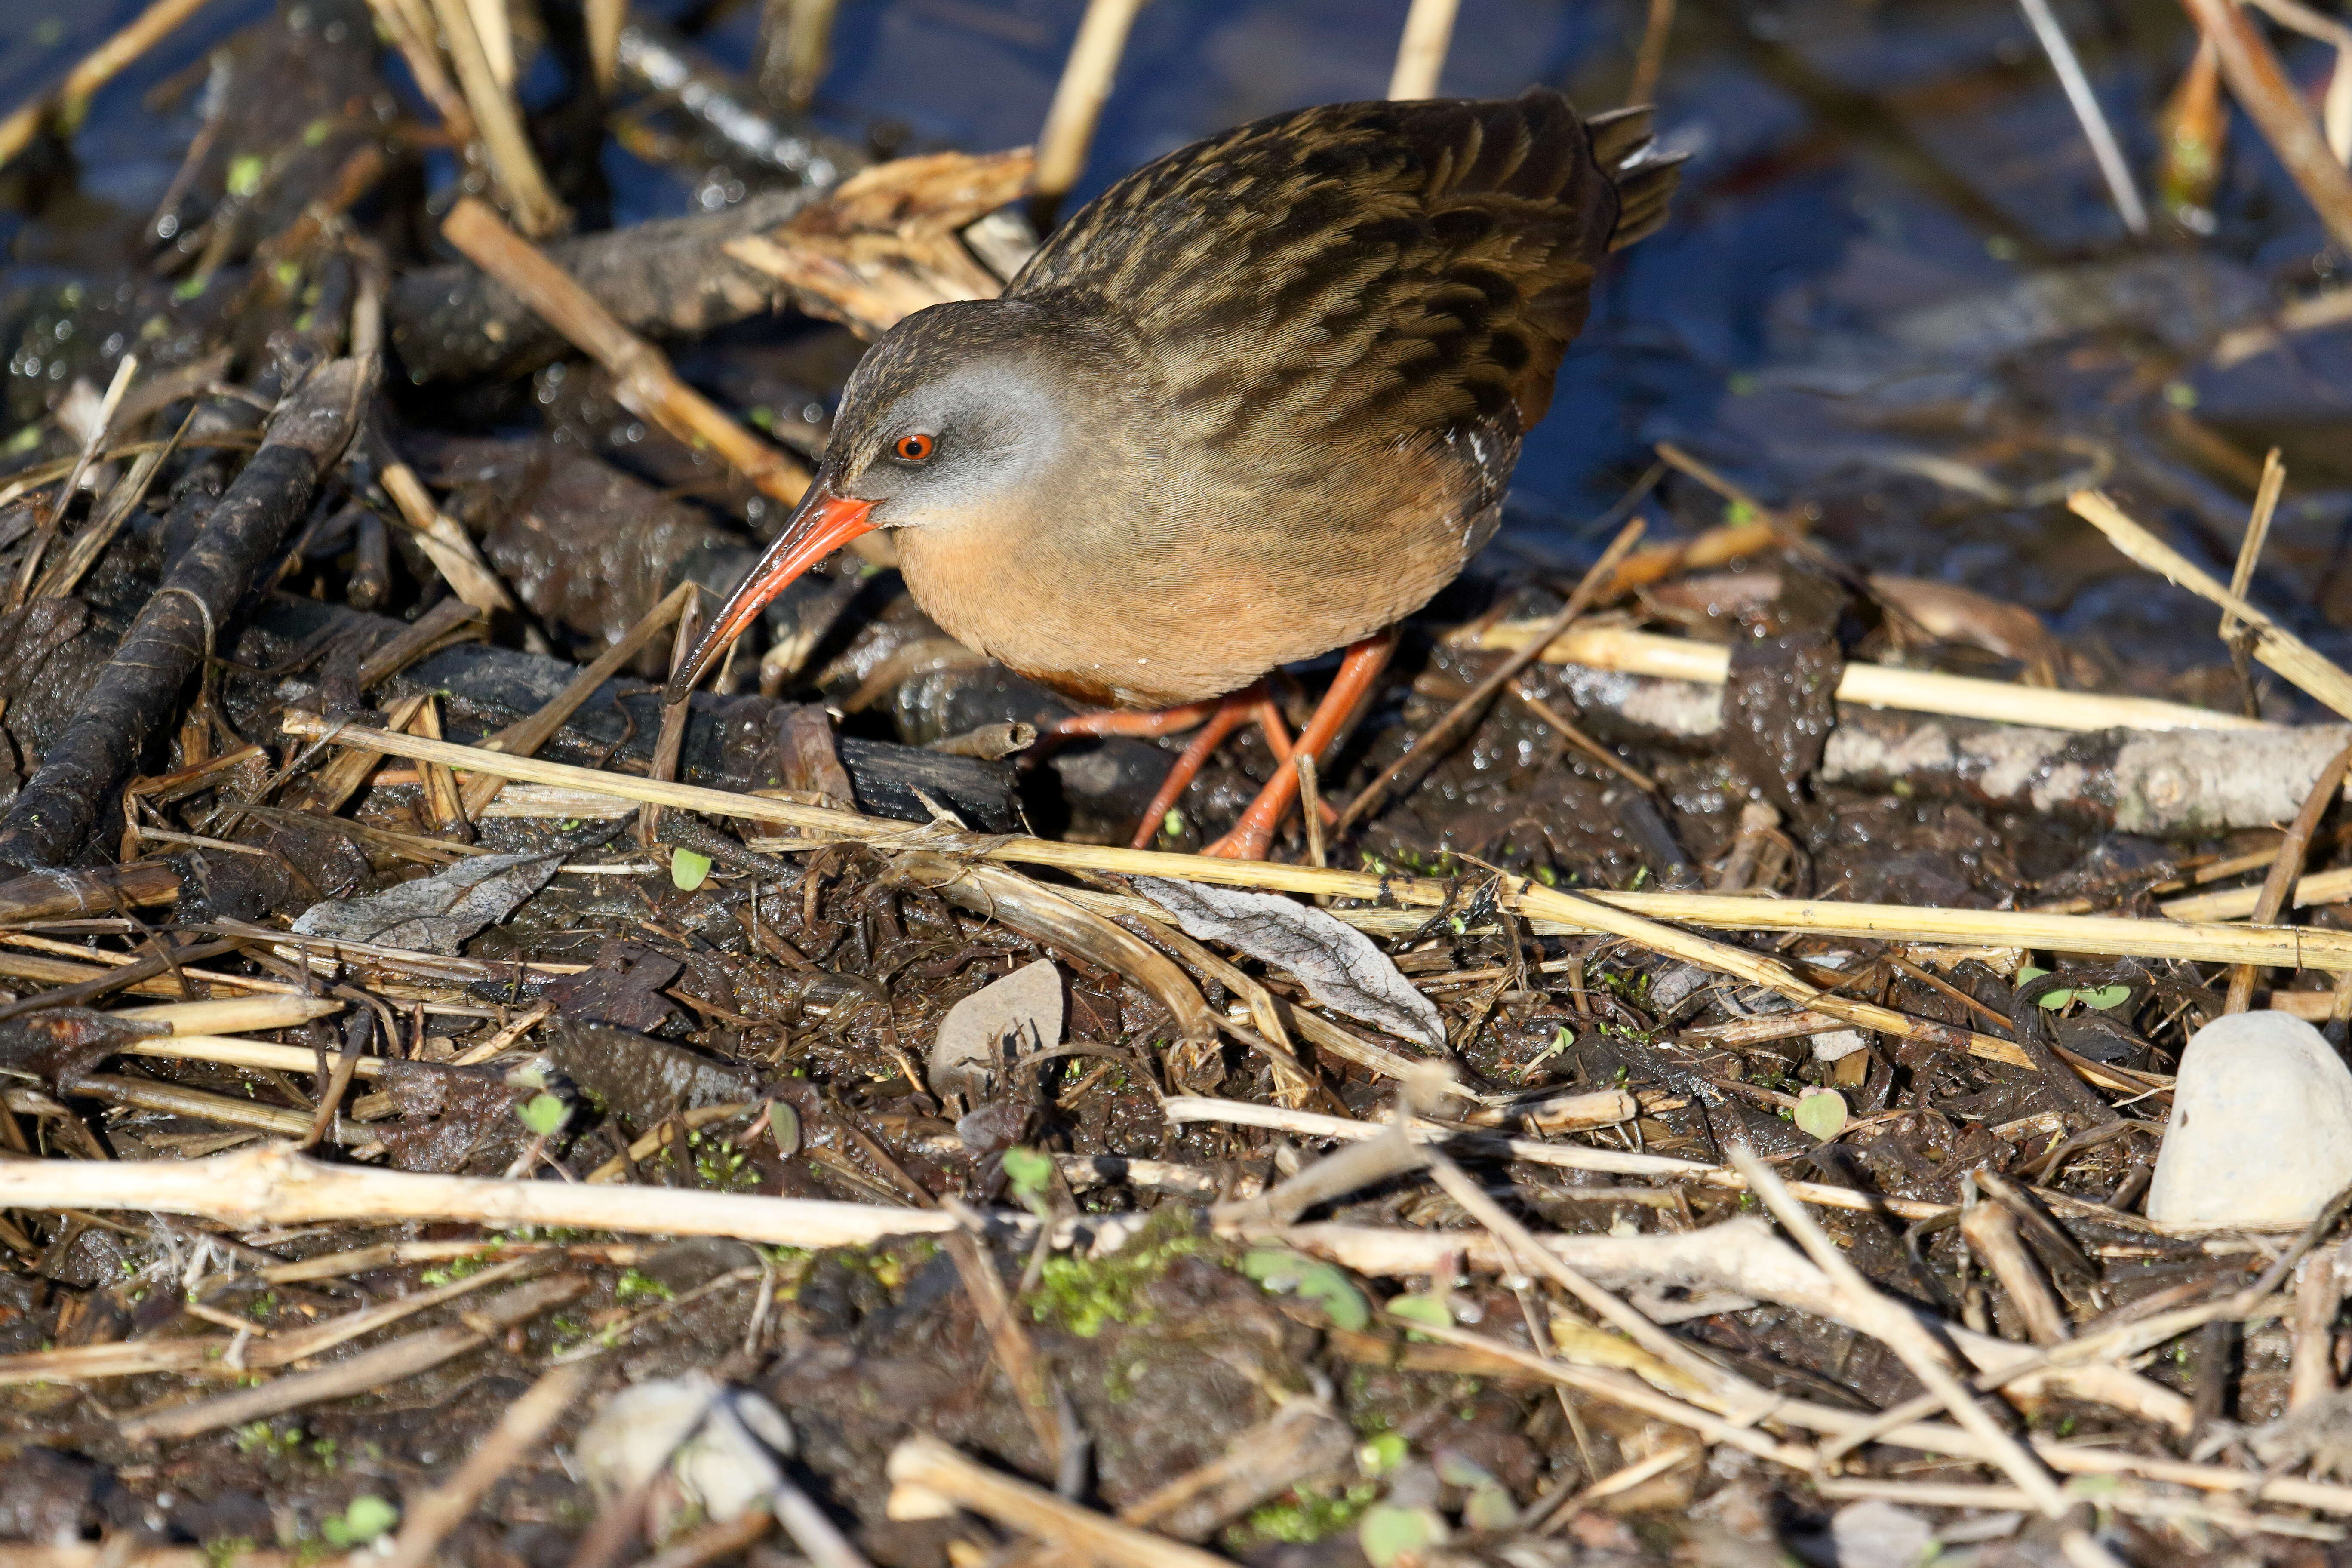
x=1390 y=268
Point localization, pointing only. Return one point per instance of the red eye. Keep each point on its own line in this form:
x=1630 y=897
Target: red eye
x=913 y=449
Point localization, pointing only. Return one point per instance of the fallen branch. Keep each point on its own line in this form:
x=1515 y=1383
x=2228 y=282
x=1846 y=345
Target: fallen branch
x=54 y=814
x=271 y=1185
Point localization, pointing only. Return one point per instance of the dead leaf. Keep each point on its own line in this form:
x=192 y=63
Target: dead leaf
x=435 y=913
x=450 y=1118
x=642 y=1078
x=1338 y=964
x=884 y=246
x=623 y=989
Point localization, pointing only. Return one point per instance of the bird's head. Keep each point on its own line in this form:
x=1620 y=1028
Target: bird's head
x=961 y=411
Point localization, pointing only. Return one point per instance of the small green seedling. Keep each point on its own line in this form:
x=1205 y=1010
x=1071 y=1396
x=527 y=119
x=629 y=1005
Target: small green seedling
x=1321 y=1282
x=2101 y=998
x=1381 y=1452
x=1820 y=1113
x=367 y=1518
x=1030 y=1173
x=688 y=870
x=1489 y=1506
x=1420 y=1310
x=1389 y=1534
x=544 y=1115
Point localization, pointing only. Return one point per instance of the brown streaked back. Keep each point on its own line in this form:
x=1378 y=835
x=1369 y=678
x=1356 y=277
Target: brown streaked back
x=1389 y=270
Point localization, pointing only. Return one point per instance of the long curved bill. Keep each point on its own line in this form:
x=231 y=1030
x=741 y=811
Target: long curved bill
x=819 y=525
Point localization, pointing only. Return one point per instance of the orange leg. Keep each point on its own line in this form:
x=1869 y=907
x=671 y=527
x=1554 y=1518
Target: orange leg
x=1277 y=740
x=1149 y=724
x=1232 y=711
x=1254 y=834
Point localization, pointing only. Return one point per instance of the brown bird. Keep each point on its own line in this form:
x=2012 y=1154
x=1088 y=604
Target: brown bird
x=1254 y=402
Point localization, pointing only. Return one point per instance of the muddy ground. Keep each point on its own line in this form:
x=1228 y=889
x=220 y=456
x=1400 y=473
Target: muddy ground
x=1896 y=319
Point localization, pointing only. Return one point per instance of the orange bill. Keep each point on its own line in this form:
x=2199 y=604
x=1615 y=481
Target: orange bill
x=819 y=525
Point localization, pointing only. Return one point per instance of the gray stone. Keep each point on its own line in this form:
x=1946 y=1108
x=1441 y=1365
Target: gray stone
x=2260 y=1134
x=1016 y=1017
x=1876 y=1534
x=706 y=1450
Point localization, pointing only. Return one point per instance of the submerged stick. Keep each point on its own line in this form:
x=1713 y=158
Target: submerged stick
x=94 y=70
x=2113 y=168
x=2259 y=83
x=137 y=689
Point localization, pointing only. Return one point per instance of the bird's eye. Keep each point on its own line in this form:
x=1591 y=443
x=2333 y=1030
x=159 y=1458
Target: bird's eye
x=913 y=449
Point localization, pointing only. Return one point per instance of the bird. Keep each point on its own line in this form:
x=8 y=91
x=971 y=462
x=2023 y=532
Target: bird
x=1255 y=402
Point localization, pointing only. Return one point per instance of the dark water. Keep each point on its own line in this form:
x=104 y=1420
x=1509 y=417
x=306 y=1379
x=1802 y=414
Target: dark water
x=1850 y=163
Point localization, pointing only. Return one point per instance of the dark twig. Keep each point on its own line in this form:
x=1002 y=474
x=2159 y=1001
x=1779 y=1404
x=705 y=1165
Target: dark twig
x=54 y=814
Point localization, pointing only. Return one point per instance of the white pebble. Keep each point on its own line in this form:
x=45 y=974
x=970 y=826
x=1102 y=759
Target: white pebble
x=2261 y=1132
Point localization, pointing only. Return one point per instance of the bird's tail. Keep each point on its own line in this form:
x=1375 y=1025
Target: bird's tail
x=1645 y=178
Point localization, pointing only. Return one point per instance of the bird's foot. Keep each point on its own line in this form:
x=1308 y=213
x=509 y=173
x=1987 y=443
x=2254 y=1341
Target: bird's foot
x=1252 y=835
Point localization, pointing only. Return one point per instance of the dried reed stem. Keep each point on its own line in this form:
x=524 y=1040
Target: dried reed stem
x=1650 y=59
x=2259 y=83
x=1871 y=685
x=525 y=736
x=2110 y=935
x=1432 y=742
x=1078 y=97
x=269 y=1185
x=1421 y=53
x=2310 y=670
x=504 y=141
x=926 y=1473
x=91 y=444
x=2283 y=870
x=1896 y=1328
x=2258 y=534
x=444 y=543
x=411 y=33
x=605 y=18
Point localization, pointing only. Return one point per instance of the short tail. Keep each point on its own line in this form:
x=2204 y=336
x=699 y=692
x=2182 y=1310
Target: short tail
x=1645 y=178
